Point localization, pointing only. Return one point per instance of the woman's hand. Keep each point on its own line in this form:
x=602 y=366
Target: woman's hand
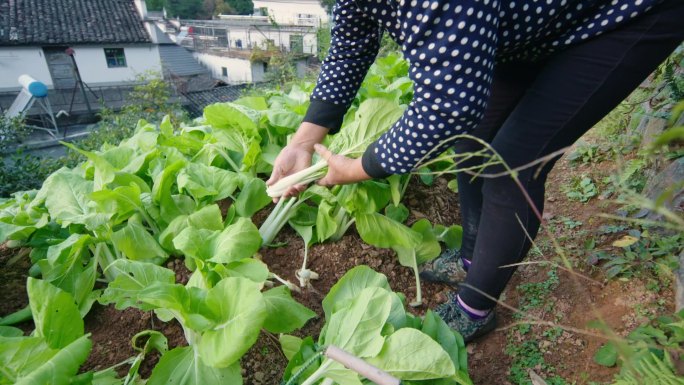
x=296 y=156
x=291 y=159
x=341 y=170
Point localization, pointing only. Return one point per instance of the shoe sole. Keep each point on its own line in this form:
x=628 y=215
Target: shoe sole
x=430 y=277
x=485 y=330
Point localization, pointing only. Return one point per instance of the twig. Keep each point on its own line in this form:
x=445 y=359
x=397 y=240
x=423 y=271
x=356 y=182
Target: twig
x=534 y=244
x=275 y=341
x=551 y=263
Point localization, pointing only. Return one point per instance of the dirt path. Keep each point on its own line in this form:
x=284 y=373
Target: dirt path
x=571 y=300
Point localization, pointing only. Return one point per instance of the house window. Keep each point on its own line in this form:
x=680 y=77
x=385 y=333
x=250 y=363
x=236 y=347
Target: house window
x=115 y=57
x=224 y=71
x=297 y=43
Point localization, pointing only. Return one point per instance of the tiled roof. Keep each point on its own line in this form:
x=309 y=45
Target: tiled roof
x=61 y=22
x=162 y=38
x=179 y=61
x=200 y=99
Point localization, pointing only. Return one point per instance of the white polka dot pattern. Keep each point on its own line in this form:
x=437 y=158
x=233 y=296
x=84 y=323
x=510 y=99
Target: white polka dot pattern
x=355 y=39
x=452 y=48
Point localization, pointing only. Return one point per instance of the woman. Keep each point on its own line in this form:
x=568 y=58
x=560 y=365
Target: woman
x=527 y=76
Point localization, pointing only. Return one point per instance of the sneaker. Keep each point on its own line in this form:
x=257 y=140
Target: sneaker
x=447 y=268
x=458 y=320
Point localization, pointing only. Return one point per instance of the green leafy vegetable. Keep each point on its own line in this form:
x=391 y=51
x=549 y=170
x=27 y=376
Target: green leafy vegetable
x=372 y=118
x=284 y=314
x=359 y=311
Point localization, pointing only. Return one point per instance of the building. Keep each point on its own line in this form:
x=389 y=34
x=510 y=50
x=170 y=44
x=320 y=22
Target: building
x=178 y=64
x=298 y=12
x=108 y=44
x=249 y=32
x=236 y=49
x=109 y=39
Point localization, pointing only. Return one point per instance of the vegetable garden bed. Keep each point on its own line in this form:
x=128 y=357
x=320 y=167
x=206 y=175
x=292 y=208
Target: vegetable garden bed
x=112 y=329
x=138 y=226
x=161 y=258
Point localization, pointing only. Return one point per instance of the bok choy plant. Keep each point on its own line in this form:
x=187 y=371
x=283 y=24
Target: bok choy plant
x=372 y=118
x=220 y=323
x=56 y=349
x=286 y=209
x=303 y=223
x=302 y=218
x=414 y=245
x=366 y=319
x=336 y=215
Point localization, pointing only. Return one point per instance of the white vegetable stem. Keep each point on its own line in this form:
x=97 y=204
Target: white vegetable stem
x=360 y=366
x=419 y=295
x=305 y=176
x=276 y=220
x=366 y=370
x=289 y=284
x=305 y=275
x=319 y=373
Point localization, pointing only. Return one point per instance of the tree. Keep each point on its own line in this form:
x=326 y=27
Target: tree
x=241 y=7
x=216 y=7
x=185 y=9
x=328 y=5
x=224 y=8
x=323 y=41
x=208 y=8
x=155 y=5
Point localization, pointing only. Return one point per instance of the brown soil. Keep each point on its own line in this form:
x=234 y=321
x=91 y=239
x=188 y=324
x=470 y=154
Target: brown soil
x=13 y=282
x=112 y=331
x=14 y=272
x=575 y=301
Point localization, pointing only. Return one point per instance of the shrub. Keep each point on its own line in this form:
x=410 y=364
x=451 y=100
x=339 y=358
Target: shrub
x=150 y=100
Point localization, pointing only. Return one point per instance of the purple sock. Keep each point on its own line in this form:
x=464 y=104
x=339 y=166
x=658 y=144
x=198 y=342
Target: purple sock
x=474 y=314
x=466 y=263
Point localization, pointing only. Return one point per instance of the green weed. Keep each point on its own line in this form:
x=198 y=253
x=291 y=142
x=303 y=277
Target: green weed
x=536 y=294
x=649 y=354
x=581 y=189
x=587 y=153
x=651 y=256
x=571 y=224
x=527 y=355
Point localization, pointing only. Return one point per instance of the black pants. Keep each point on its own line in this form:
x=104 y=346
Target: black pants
x=535 y=110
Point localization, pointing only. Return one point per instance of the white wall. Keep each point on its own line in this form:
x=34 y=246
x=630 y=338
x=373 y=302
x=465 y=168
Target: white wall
x=239 y=70
x=257 y=38
x=310 y=43
x=15 y=61
x=287 y=12
x=93 y=66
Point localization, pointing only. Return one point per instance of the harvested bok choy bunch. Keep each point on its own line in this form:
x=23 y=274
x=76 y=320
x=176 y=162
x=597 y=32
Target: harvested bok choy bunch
x=372 y=118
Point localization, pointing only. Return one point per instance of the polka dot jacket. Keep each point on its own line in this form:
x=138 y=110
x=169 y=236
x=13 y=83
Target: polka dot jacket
x=451 y=47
